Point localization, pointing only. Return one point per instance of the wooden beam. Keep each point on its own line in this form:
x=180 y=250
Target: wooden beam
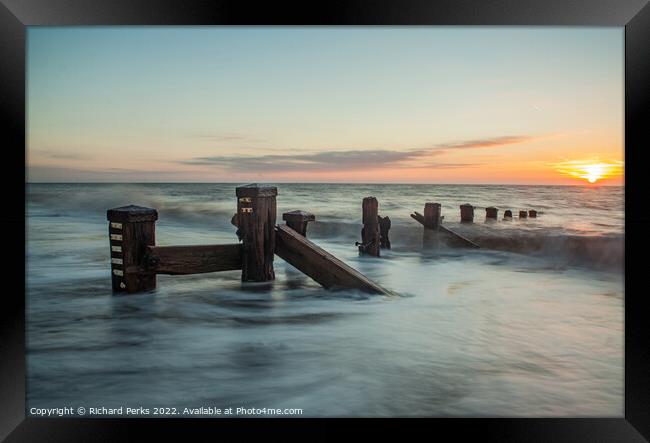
x=319 y=264
x=465 y=241
x=179 y=260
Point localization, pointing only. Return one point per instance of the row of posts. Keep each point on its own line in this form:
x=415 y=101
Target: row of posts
x=467 y=213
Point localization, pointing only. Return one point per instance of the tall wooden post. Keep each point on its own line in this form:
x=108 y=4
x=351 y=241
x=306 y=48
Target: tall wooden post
x=431 y=222
x=432 y=215
x=466 y=213
x=370 y=232
x=297 y=220
x=256 y=221
x=131 y=229
x=491 y=213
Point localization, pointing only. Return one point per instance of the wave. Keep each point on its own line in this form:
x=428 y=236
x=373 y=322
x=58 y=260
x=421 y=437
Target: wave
x=597 y=251
x=213 y=205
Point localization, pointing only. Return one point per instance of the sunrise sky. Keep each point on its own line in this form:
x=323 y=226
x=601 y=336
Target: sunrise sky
x=529 y=105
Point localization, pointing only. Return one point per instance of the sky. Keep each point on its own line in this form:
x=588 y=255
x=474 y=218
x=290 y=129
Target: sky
x=519 y=105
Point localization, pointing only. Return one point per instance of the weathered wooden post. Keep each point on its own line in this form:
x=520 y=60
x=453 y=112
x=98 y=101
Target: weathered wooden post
x=131 y=229
x=256 y=211
x=297 y=220
x=491 y=213
x=466 y=213
x=523 y=214
x=507 y=215
x=370 y=233
x=431 y=223
x=384 y=227
x=432 y=216
x=532 y=213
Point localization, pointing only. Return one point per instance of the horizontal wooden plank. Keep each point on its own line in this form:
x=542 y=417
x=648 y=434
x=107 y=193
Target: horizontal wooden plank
x=465 y=241
x=319 y=264
x=179 y=260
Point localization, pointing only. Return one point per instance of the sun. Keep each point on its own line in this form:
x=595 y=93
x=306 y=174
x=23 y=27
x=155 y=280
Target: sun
x=590 y=170
x=593 y=172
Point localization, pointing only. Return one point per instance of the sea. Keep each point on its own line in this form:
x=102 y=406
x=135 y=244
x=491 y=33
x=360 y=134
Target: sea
x=529 y=325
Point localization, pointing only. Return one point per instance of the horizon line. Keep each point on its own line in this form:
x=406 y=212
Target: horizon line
x=317 y=183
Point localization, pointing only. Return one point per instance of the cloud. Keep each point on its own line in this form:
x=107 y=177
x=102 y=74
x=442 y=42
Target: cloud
x=487 y=142
x=320 y=161
x=351 y=159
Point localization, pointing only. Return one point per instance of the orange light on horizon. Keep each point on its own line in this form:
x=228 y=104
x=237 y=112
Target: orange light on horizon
x=589 y=170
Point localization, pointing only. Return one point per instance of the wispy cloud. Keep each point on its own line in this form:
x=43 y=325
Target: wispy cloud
x=352 y=159
x=487 y=142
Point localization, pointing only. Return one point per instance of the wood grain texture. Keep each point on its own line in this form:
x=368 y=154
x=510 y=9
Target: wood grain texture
x=194 y=259
x=256 y=213
x=370 y=231
x=384 y=227
x=136 y=237
x=319 y=264
x=298 y=220
x=432 y=215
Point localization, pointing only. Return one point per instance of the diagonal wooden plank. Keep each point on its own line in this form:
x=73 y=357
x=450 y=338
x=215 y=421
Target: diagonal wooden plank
x=319 y=264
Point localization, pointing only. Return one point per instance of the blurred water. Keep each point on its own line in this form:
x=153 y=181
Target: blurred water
x=489 y=332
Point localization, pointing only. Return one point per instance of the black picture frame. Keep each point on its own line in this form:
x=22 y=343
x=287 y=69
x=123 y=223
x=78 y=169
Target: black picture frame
x=15 y=15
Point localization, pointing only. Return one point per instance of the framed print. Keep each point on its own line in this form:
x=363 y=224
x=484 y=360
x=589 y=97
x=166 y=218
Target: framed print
x=387 y=217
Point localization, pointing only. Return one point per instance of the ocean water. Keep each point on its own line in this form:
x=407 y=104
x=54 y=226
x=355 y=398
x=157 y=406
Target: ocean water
x=531 y=324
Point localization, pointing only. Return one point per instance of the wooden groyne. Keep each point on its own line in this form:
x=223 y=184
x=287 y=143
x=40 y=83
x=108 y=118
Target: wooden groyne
x=432 y=221
x=136 y=260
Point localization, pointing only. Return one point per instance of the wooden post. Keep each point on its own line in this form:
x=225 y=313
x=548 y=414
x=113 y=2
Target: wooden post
x=297 y=220
x=370 y=232
x=523 y=214
x=131 y=230
x=466 y=213
x=432 y=215
x=384 y=227
x=491 y=213
x=507 y=215
x=256 y=221
x=532 y=213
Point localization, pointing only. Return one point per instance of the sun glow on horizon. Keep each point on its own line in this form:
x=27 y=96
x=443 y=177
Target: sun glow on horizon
x=590 y=170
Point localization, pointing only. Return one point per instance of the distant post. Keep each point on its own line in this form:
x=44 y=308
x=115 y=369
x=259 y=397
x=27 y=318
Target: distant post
x=297 y=220
x=370 y=232
x=491 y=213
x=131 y=229
x=432 y=216
x=532 y=213
x=523 y=214
x=466 y=213
x=256 y=211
